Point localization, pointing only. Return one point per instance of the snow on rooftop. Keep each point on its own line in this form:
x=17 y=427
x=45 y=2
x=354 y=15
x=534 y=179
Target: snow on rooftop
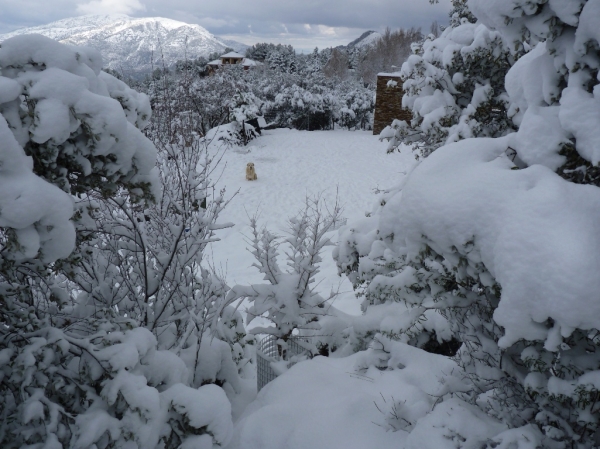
x=246 y=62
x=233 y=54
x=394 y=74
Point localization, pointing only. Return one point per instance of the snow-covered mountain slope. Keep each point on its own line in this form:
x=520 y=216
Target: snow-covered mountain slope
x=133 y=44
x=367 y=38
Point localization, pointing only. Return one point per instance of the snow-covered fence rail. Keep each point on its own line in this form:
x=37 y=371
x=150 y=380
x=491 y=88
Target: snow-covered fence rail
x=268 y=352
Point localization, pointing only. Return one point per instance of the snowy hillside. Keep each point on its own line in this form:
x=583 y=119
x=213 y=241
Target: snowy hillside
x=365 y=39
x=133 y=44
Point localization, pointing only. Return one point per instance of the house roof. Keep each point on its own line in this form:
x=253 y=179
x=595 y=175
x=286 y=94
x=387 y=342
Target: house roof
x=246 y=62
x=233 y=54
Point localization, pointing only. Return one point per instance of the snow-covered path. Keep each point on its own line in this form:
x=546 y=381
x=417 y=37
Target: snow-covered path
x=290 y=165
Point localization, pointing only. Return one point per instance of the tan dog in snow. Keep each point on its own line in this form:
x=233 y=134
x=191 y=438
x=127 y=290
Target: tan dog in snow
x=250 y=172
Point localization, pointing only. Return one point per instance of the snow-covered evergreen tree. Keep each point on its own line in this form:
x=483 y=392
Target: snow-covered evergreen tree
x=259 y=51
x=314 y=63
x=480 y=231
x=454 y=87
x=282 y=59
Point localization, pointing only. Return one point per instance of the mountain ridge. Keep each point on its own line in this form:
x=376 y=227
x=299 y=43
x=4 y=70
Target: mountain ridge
x=367 y=38
x=133 y=45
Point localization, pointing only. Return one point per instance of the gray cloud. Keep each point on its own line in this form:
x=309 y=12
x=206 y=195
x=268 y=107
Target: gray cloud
x=112 y=6
x=304 y=23
x=25 y=13
x=347 y=13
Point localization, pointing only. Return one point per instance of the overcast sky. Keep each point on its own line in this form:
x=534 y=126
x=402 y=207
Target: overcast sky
x=302 y=23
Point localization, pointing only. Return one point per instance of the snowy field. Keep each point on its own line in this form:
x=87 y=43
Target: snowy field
x=292 y=165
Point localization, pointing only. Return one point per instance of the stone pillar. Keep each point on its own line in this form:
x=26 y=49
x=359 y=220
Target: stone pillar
x=388 y=102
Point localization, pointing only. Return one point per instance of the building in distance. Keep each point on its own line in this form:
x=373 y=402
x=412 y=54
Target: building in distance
x=232 y=58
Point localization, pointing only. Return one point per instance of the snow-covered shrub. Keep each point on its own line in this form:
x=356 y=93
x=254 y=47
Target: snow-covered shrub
x=289 y=299
x=145 y=263
x=357 y=104
x=347 y=117
x=60 y=123
x=312 y=108
x=109 y=388
x=230 y=329
x=391 y=288
x=231 y=134
x=59 y=107
x=243 y=107
x=454 y=87
x=486 y=234
x=34 y=214
x=211 y=97
x=103 y=312
x=477 y=241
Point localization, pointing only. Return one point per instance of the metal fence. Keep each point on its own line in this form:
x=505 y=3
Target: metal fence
x=268 y=352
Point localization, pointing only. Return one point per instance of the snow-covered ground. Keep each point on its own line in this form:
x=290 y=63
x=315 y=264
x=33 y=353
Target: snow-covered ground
x=339 y=404
x=292 y=165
